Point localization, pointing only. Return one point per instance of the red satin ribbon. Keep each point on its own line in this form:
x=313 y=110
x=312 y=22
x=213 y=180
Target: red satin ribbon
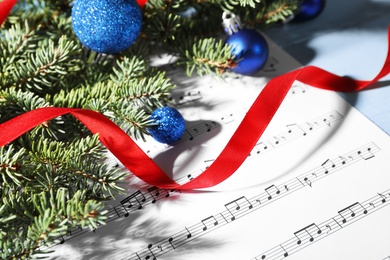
x=5 y=8
x=232 y=156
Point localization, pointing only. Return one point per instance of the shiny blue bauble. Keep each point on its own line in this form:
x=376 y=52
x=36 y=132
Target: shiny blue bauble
x=309 y=9
x=250 y=49
x=170 y=125
x=106 y=26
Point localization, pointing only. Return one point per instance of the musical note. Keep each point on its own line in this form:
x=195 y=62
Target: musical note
x=307 y=230
x=306 y=179
x=297 y=89
x=271 y=188
x=350 y=211
x=383 y=197
x=344 y=160
x=258 y=147
x=189 y=235
x=189 y=97
x=270 y=65
x=150 y=250
x=310 y=125
x=62 y=240
x=227 y=118
x=207 y=220
x=157 y=193
x=364 y=209
x=121 y=207
x=170 y=240
x=285 y=251
x=136 y=196
x=327 y=122
x=190 y=136
x=236 y=204
x=366 y=156
x=329 y=227
x=208 y=127
x=294 y=127
x=277 y=140
x=327 y=165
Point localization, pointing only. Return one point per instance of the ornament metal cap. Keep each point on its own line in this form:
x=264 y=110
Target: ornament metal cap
x=231 y=23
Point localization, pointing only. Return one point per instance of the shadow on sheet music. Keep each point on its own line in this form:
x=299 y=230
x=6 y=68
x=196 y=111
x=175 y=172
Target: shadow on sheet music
x=197 y=133
x=306 y=154
x=120 y=239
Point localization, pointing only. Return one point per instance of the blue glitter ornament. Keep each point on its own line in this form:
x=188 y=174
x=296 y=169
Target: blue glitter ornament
x=309 y=9
x=249 y=47
x=106 y=26
x=170 y=125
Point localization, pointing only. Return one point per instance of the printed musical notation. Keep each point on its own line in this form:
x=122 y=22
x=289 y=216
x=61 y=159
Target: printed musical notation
x=139 y=200
x=315 y=232
x=194 y=131
x=130 y=204
x=295 y=131
x=187 y=97
x=243 y=206
x=272 y=198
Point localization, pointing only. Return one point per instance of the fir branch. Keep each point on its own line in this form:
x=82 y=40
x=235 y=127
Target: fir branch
x=14 y=44
x=280 y=11
x=162 y=26
x=127 y=69
x=11 y=161
x=149 y=91
x=47 y=67
x=132 y=120
x=54 y=178
x=15 y=102
x=209 y=56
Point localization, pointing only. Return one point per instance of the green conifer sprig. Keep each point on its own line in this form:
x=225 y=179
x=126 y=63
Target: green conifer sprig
x=209 y=56
x=54 y=178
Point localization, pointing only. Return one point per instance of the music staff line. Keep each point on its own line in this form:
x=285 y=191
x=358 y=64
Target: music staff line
x=242 y=206
x=313 y=232
x=194 y=131
x=138 y=200
x=294 y=131
x=197 y=94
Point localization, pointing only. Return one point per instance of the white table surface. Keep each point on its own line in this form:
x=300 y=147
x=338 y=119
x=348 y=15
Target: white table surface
x=348 y=38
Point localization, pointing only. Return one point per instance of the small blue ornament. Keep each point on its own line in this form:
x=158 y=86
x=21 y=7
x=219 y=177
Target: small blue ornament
x=248 y=46
x=309 y=9
x=170 y=125
x=106 y=26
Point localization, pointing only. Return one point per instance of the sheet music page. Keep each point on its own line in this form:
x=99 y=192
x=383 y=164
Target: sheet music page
x=316 y=186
